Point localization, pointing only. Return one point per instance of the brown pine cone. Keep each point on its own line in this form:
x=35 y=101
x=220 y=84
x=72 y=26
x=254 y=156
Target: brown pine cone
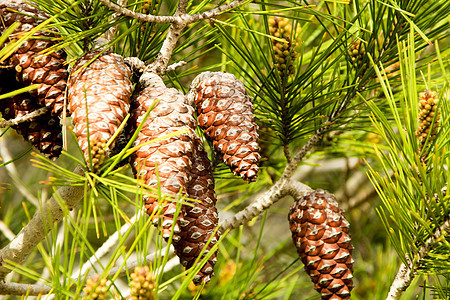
x=321 y=234
x=105 y=87
x=225 y=113
x=169 y=157
x=44 y=132
x=201 y=220
x=32 y=67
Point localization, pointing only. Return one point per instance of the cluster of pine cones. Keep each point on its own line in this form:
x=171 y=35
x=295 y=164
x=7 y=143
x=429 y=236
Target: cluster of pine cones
x=170 y=155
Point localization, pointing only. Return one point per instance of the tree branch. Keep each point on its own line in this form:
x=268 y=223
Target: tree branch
x=41 y=223
x=161 y=62
x=280 y=189
x=27 y=117
x=292 y=165
x=112 y=31
x=12 y=288
x=178 y=22
x=406 y=274
x=173 y=19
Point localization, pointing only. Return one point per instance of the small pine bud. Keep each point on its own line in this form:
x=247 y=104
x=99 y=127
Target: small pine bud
x=285 y=53
x=357 y=53
x=95 y=289
x=142 y=284
x=150 y=7
x=428 y=117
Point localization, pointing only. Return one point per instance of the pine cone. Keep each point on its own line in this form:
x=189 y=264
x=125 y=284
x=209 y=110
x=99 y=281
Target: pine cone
x=225 y=113
x=32 y=67
x=285 y=53
x=105 y=87
x=44 y=131
x=142 y=284
x=170 y=157
x=321 y=235
x=201 y=220
x=428 y=103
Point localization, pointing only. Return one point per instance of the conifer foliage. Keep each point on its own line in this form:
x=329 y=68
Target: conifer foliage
x=160 y=93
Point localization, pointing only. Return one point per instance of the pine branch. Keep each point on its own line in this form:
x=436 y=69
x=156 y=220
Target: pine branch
x=280 y=189
x=406 y=273
x=18 y=289
x=41 y=223
x=25 y=118
x=178 y=22
x=182 y=18
x=293 y=163
x=12 y=288
x=112 y=31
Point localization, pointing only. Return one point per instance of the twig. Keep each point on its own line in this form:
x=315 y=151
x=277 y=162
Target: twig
x=287 y=153
x=41 y=223
x=406 y=273
x=162 y=60
x=12 y=288
x=292 y=165
x=178 y=22
x=25 y=118
x=6 y=231
x=280 y=189
x=112 y=31
x=184 y=18
x=176 y=65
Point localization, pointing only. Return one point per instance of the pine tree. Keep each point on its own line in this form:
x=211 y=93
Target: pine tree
x=167 y=101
